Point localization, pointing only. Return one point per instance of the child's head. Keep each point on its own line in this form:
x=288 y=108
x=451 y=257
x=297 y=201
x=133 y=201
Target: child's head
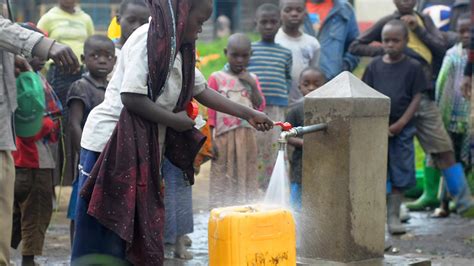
x=200 y=11
x=67 y=4
x=311 y=78
x=132 y=14
x=35 y=62
x=394 y=38
x=464 y=29
x=238 y=52
x=292 y=13
x=405 y=7
x=99 y=56
x=268 y=21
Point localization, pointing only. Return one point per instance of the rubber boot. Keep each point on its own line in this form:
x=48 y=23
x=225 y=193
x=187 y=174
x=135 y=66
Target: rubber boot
x=429 y=198
x=395 y=227
x=456 y=185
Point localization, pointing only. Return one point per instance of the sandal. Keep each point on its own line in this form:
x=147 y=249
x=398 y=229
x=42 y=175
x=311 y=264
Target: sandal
x=440 y=213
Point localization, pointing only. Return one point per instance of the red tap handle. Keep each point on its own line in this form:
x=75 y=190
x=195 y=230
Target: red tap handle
x=192 y=110
x=285 y=126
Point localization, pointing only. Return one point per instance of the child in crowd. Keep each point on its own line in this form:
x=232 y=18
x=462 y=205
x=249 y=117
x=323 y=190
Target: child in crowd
x=132 y=14
x=121 y=210
x=34 y=164
x=234 y=166
x=402 y=80
x=427 y=45
x=311 y=78
x=455 y=109
x=305 y=48
x=272 y=64
x=85 y=94
x=68 y=24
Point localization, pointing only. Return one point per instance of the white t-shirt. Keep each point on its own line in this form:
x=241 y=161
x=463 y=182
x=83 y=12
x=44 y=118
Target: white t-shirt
x=305 y=50
x=131 y=76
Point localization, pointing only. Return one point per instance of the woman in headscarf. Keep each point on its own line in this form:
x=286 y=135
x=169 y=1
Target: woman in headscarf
x=120 y=212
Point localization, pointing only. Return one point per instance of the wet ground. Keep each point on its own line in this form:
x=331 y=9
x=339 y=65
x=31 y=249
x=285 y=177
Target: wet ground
x=447 y=242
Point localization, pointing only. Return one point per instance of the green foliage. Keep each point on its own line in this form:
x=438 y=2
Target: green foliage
x=216 y=47
x=209 y=48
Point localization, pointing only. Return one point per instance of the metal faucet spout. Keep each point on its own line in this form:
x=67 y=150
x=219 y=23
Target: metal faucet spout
x=297 y=132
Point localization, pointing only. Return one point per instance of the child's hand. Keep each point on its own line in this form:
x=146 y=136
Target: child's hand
x=410 y=21
x=245 y=76
x=260 y=121
x=395 y=129
x=183 y=122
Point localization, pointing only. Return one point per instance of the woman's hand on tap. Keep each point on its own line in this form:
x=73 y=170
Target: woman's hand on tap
x=260 y=121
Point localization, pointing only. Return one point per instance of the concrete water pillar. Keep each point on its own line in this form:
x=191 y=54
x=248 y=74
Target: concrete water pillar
x=344 y=172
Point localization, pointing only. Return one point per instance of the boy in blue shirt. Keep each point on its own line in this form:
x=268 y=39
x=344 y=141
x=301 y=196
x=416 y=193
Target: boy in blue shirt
x=272 y=64
x=402 y=80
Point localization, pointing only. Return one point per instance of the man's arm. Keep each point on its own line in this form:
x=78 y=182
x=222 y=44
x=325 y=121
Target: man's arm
x=431 y=37
x=361 y=46
x=18 y=40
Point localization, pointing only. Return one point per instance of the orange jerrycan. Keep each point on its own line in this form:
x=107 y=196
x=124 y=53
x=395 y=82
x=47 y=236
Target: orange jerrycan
x=253 y=235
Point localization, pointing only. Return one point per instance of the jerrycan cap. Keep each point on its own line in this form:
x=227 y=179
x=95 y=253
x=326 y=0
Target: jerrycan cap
x=192 y=110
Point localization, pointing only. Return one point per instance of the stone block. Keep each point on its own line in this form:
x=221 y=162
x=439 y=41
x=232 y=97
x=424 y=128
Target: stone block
x=344 y=172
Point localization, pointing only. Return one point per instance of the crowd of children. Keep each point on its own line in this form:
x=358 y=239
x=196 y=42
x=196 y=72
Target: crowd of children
x=127 y=121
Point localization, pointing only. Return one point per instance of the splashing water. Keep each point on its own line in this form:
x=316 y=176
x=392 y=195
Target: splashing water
x=278 y=191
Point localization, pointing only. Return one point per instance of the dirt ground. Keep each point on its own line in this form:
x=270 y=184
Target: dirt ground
x=446 y=242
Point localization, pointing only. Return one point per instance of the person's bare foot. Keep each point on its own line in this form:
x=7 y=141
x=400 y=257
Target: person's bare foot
x=187 y=240
x=180 y=249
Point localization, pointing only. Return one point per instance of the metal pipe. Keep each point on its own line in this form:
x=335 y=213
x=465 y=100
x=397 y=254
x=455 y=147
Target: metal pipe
x=297 y=132
x=310 y=129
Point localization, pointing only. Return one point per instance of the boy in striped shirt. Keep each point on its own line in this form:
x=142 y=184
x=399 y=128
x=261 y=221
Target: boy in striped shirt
x=272 y=63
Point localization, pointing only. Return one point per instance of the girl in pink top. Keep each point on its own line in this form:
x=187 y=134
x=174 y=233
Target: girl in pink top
x=234 y=166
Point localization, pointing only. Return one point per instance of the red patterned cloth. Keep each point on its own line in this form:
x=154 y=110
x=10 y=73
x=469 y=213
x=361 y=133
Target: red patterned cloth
x=124 y=188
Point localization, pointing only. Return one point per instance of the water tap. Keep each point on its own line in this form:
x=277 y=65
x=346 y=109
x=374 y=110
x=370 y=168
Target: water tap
x=288 y=131
x=285 y=126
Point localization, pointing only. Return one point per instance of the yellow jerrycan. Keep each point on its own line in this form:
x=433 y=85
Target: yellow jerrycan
x=252 y=235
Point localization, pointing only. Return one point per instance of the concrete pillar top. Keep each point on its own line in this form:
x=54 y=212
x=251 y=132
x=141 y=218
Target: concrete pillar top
x=357 y=98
